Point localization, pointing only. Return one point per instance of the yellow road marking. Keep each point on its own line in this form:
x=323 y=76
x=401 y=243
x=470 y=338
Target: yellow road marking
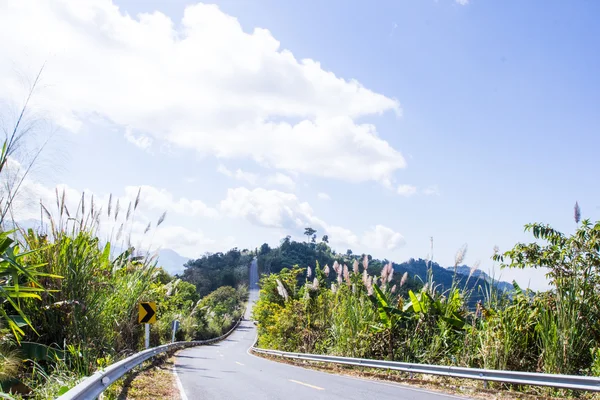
x=238 y=363
x=306 y=384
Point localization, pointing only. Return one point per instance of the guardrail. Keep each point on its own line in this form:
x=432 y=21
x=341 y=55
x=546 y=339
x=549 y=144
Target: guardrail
x=519 y=378
x=91 y=387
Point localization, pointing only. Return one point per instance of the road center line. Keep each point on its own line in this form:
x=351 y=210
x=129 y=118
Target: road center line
x=238 y=363
x=306 y=384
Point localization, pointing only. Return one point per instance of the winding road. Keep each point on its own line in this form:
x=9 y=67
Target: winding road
x=227 y=370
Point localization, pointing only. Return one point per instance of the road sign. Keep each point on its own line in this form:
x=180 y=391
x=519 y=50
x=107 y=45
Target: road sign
x=147 y=313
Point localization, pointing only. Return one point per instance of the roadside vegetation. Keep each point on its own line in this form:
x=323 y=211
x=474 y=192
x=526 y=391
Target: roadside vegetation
x=71 y=306
x=69 y=295
x=349 y=308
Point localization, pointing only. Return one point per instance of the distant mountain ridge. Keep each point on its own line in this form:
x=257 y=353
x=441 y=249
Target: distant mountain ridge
x=466 y=270
x=478 y=282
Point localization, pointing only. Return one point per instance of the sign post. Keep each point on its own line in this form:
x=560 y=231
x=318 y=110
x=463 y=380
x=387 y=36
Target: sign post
x=147 y=316
x=147 y=336
x=175 y=327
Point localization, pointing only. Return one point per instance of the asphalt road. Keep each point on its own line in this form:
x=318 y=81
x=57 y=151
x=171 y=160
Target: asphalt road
x=226 y=370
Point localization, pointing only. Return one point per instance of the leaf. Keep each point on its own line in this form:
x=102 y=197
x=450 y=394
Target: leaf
x=18 y=320
x=416 y=305
x=395 y=311
x=106 y=254
x=63 y=390
x=455 y=322
x=40 y=352
x=381 y=305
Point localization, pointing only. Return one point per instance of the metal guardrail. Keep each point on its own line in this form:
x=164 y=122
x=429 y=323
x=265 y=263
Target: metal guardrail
x=519 y=378
x=91 y=387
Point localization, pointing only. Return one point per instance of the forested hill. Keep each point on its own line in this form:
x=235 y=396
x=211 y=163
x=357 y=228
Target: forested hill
x=230 y=268
x=290 y=253
x=212 y=271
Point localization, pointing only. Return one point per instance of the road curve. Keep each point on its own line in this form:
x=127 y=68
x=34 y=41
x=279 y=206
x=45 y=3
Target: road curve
x=227 y=370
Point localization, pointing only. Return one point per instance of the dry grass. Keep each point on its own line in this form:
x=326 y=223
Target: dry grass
x=153 y=381
x=460 y=387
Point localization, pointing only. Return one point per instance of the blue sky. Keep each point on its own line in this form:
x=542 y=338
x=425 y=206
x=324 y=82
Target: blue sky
x=491 y=106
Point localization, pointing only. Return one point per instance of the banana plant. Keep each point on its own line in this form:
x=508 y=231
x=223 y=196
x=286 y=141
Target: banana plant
x=18 y=280
x=389 y=317
x=448 y=310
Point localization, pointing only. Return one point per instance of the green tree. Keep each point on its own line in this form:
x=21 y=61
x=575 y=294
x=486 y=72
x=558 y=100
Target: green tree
x=568 y=321
x=309 y=232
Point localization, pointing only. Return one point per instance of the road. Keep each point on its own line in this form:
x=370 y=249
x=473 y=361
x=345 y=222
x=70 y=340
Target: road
x=226 y=370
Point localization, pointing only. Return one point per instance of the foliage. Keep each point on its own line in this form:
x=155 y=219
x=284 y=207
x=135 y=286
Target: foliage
x=567 y=326
x=219 y=269
x=352 y=311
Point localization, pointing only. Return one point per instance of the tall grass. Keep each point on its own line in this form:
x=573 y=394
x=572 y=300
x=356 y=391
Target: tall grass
x=94 y=305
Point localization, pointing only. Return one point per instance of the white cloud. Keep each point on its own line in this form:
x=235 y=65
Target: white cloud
x=224 y=170
x=275 y=209
x=268 y=208
x=281 y=180
x=160 y=199
x=462 y=2
x=239 y=174
x=202 y=83
x=141 y=141
x=323 y=196
x=432 y=190
x=406 y=190
x=190 y=243
x=153 y=202
x=382 y=237
x=276 y=179
x=246 y=176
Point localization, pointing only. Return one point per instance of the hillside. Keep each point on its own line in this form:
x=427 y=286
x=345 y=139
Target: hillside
x=290 y=253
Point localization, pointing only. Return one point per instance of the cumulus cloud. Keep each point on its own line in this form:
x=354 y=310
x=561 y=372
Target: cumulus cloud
x=432 y=190
x=406 y=190
x=279 y=179
x=382 y=237
x=239 y=174
x=276 y=209
x=201 y=83
x=323 y=196
x=141 y=141
x=462 y=2
x=276 y=179
x=154 y=198
x=268 y=208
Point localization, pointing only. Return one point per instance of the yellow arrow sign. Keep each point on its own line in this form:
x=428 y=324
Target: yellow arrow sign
x=147 y=313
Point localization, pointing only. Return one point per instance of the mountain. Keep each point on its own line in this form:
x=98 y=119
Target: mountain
x=478 y=284
x=171 y=261
x=479 y=274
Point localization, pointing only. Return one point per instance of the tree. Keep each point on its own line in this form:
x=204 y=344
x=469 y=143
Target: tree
x=325 y=239
x=314 y=238
x=348 y=252
x=264 y=249
x=309 y=232
x=572 y=308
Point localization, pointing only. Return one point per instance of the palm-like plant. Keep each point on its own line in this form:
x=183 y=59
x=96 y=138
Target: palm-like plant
x=18 y=280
